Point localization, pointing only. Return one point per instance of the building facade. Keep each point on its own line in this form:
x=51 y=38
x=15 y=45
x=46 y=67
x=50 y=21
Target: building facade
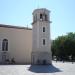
x=24 y=45
x=15 y=42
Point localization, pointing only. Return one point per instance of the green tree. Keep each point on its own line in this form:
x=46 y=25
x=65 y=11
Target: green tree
x=64 y=46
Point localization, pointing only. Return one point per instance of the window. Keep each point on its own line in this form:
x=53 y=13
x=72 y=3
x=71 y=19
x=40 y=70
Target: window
x=5 y=45
x=45 y=17
x=43 y=41
x=41 y=16
x=43 y=29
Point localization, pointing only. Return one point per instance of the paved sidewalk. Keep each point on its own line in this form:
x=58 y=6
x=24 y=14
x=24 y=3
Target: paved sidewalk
x=58 y=68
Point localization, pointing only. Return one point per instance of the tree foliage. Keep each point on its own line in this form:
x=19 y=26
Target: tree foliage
x=64 y=46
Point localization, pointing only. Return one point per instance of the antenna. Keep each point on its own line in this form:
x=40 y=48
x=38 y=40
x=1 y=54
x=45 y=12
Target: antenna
x=38 y=3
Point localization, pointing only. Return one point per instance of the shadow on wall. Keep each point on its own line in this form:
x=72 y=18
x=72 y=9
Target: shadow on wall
x=43 y=69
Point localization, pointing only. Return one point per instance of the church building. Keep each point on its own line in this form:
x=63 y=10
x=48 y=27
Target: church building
x=23 y=45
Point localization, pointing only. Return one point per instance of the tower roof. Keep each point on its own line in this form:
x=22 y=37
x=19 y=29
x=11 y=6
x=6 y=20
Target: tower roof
x=41 y=10
x=16 y=27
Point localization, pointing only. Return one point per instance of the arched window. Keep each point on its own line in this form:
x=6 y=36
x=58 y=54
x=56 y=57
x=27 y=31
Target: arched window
x=41 y=16
x=43 y=41
x=43 y=29
x=46 y=17
x=5 y=45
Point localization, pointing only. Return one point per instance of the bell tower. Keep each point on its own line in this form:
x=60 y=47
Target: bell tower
x=41 y=42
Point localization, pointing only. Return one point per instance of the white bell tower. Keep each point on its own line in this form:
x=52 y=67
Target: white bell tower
x=41 y=42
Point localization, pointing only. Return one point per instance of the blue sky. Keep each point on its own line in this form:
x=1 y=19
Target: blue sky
x=19 y=13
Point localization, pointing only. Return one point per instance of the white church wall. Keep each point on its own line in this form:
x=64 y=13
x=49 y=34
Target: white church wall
x=19 y=43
